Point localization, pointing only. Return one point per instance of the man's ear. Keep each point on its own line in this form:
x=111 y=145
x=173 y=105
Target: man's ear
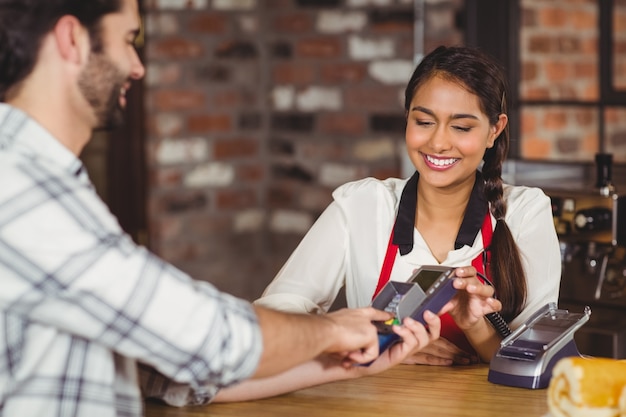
x=72 y=39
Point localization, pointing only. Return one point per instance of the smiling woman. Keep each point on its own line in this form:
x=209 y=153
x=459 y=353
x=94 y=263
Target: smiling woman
x=454 y=210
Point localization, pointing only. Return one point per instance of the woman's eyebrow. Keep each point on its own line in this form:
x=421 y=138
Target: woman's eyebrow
x=453 y=117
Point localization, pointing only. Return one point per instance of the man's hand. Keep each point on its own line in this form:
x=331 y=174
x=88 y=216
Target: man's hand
x=355 y=338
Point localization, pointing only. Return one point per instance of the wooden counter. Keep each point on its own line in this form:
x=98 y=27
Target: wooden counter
x=406 y=390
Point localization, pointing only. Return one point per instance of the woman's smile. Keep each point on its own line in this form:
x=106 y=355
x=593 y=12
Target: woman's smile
x=439 y=163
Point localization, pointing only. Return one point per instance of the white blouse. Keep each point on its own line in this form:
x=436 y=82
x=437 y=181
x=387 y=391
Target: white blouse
x=347 y=244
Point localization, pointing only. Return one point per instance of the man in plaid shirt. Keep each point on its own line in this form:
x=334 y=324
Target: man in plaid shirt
x=89 y=321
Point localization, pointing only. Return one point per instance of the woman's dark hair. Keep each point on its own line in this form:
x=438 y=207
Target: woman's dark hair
x=24 y=23
x=483 y=76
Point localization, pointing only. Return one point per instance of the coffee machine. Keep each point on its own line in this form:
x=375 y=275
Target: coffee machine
x=591 y=226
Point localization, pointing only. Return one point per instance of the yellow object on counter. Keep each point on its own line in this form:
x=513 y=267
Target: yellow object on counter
x=588 y=387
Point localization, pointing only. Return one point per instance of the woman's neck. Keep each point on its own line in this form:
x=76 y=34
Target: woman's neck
x=439 y=215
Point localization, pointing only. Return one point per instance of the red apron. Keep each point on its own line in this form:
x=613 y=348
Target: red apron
x=449 y=329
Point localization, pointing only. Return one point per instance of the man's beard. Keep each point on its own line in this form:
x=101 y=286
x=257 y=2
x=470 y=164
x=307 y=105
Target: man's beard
x=101 y=82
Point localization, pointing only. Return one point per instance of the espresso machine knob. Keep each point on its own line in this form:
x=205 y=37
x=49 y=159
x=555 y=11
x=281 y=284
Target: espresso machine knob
x=593 y=219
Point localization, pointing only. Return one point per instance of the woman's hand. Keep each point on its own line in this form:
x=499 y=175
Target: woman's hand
x=473 y=300
x=443 y=353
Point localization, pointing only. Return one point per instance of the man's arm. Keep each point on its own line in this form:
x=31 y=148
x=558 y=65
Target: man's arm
x=323 y=369
x=290 y=339
x=327 y=368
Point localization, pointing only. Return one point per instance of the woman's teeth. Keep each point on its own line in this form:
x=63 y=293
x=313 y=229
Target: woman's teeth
x=441 y=162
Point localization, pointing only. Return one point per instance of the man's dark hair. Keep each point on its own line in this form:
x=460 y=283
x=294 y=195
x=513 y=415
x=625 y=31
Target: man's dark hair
x=24 y=23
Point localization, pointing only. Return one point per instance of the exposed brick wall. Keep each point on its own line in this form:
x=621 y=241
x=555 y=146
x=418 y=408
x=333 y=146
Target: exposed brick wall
x=257 y=110
x=559 y=43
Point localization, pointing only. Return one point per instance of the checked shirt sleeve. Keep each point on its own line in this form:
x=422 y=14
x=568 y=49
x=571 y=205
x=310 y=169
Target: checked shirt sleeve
x=66 y=264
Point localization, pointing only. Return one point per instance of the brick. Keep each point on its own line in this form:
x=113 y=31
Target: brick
x=584 y=19
x=534 y=93
x=556 y=71
x=232 y=199
x=176 y=4
x=325 y=151
x=541 y=44
x=318 y=3
x=173 y=48
x=230 y=98
x=250 y=121
x=386 y=172
x=529 y=71
x=169 y=177
x=161 y=24
x=528 y=123
x=373 y=150
x=214 y=73
x=568 y=145
x=280 y=196
x=159 y=75
x=283 y=97
x=177 y=202
x=211 y=23
x=291 y=172
x=618 y=140
x=252 y=173
x=251 y=220
x=585 y=117
x=338 y=73
x=293 y=73
x=171 y=100
x=375 y=98
x=281 y=147
x=345 y=123
x=200 y=224
x=554 y=120
x=165 y=227
x=248 y=24
x=317 y=98
x=391 y=72
x=391 y=123
x=235 y=148
x=568 y=45
x=237 y=49
x=241 y=5
x=285 y=221
x=293 y=23
x=552 y=17
x=182 y=151
x=535 y=148
x=365 y=3
x=167 y=124
x=318 y=48
x=281 y=49
x=315 y=198
x=333 y=175
x=388 y=20
x=588 y=70
x=209 y=123
x=366 y=49
x=212 y=174
x=340 y=22
x=293 y=122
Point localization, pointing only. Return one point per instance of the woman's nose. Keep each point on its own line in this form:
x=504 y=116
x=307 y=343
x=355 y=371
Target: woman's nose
x=439 y=140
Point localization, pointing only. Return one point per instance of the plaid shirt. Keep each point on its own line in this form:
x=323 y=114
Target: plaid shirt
x=81 y=305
